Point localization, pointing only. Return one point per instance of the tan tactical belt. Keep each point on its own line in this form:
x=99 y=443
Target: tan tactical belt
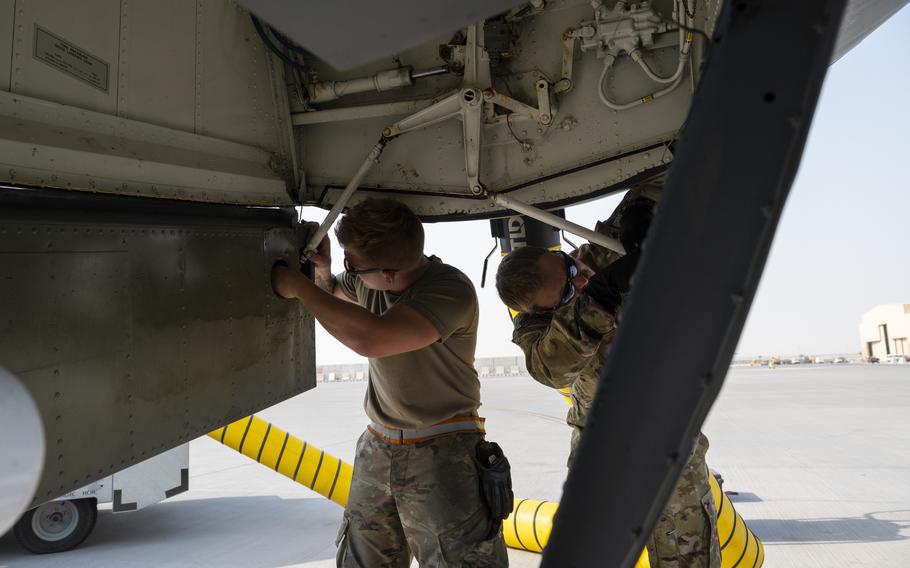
x=457 y=425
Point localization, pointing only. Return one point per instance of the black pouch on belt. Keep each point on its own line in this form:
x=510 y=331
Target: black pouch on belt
x=495 y=482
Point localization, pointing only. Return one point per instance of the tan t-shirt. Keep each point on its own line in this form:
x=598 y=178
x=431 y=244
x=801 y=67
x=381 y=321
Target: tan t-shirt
x=423 y=387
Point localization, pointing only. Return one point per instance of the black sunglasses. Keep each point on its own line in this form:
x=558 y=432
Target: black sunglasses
x=571 y=272
x=360 y=271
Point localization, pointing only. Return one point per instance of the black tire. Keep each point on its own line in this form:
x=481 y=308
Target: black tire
x=56 y=526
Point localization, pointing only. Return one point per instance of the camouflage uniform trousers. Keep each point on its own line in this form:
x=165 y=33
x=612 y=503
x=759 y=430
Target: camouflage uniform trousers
x=686 y=532
x=419 y=499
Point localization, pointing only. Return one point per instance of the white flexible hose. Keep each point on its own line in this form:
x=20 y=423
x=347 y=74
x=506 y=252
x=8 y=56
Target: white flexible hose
x=608 y=63
x=640 y=59
x=685 y=42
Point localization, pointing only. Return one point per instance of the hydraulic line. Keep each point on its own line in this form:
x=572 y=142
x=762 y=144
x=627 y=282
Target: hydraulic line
x=257 y=24
x=673 y=81
x=685 y=43
x=527 y=528
x=608 y=64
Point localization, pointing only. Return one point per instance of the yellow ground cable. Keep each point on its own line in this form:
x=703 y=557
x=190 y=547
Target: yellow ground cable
x=739 y=547
x=290 y=456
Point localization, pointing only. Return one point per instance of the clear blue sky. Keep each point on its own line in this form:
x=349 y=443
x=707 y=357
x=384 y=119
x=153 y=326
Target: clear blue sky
x=843 y=244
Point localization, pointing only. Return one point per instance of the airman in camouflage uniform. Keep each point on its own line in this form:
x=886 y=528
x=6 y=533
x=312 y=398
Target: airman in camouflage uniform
x=416 y=489
x=567 y=346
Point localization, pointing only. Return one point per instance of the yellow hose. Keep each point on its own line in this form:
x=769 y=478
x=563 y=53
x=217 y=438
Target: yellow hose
x=739 y=547
x=331 y=477
x=527 y=528
x=529 y=525
x=290 y=456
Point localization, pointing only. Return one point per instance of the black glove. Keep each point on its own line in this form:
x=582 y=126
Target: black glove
x=495 y=482
x=607 y=286
x=634 y=222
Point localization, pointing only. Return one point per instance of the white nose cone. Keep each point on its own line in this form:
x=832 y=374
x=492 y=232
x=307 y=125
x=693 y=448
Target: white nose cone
x=21 y=449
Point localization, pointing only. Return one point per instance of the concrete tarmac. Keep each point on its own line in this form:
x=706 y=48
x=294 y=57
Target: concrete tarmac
x=819 y=456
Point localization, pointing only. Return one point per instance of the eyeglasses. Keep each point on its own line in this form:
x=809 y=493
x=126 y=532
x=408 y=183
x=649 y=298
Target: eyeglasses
x=571 y=272
x=349 y=268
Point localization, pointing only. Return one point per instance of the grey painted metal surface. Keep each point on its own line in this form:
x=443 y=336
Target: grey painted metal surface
x=156 y=91
x=140 y=324
x=47 y=144
x=7 y=8
x=371 y=30
x=158 y=98
x=861 y=18
x=585 y=150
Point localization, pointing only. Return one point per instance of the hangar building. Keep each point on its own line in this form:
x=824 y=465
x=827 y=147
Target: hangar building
x=884 y=330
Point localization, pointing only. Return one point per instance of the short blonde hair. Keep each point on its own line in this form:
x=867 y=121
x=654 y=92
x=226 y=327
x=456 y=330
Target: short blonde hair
x=384 y=231
x=518 y=277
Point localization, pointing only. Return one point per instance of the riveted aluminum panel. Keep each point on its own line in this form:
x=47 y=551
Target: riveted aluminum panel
x=193 y=68
x=52 y=145
x=157 y=64
x=140 y=324
x=6 y=41
x=72 y=34
x=235 y=100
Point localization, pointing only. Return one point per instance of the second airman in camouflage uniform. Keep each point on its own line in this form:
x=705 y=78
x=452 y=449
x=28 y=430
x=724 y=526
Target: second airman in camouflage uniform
x=566 y=337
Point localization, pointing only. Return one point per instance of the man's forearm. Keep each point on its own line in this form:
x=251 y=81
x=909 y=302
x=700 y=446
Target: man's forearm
x=349 y=323
x=325 y=280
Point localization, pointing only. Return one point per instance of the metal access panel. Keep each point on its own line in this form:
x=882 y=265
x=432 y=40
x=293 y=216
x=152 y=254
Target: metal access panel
x=138 y=486
x=587 y=149
x=159 y=98
x=139 y=324
x=152 y=481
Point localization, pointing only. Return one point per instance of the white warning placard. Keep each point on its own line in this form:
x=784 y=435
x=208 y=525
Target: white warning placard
x=72 y=60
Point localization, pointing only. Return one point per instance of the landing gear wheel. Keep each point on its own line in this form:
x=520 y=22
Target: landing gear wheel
x=56 y=526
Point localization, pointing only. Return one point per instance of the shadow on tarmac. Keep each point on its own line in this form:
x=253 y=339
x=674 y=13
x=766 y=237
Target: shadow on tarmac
x=868 y=528
x=262 y=531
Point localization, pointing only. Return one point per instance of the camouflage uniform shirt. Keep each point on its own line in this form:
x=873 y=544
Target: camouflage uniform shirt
x=568 y=347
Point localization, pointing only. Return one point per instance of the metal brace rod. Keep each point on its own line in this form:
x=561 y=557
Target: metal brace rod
x=555 y=221
x=372 y=158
